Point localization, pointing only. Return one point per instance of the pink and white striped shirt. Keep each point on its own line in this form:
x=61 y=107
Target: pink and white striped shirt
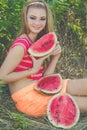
x=26 y=62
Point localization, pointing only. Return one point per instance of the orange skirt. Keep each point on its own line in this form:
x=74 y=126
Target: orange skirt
x=31 y=102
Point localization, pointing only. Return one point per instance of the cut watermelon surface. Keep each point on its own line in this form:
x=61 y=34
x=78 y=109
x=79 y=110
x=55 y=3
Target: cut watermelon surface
x=44 y=45
x=63 y=111
x=50 y=84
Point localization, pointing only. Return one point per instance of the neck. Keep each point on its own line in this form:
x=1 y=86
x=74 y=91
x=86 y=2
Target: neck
x=32 y=37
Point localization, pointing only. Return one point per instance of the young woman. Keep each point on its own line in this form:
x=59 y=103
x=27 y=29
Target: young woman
x=21 y=71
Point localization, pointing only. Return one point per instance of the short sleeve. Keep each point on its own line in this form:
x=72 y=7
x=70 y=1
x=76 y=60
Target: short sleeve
x=22 y=42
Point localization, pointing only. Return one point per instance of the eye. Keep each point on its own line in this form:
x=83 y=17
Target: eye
x=43 y=19
x=31 y=17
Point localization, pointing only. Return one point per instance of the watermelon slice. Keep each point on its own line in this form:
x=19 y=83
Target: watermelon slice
x=44 y=45
x=63 y=111
x=50 y=84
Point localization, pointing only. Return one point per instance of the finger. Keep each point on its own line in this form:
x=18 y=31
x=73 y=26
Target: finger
x=58 y=47
x=33 y=58
x=56 y=50
x=45 y=57
x=57 y=42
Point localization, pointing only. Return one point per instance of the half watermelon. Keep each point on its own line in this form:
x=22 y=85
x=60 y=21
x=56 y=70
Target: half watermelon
x=50 y=84
x=63 y=111
x=44 y=45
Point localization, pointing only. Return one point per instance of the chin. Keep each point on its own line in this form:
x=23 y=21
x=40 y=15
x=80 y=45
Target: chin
x=36 y=31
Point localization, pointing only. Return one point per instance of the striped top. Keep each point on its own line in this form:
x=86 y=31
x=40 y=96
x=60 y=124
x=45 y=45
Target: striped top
x=26 y=62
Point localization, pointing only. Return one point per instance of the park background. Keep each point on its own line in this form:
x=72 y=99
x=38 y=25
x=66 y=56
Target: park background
x=70 y=20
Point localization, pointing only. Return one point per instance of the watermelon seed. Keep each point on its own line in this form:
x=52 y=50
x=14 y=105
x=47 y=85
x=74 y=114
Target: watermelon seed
x=51 y=120
x=46 y=43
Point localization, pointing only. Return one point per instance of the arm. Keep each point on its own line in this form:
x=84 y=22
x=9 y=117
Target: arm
x=51 y=67
x=12 y=60
x=55 y=56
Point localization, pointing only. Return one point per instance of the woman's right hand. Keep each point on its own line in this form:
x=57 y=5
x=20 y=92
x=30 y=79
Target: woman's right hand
x=57 y=49
x=37 y=63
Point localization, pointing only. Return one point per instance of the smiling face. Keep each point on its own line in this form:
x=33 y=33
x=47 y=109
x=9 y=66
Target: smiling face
x=36 y=19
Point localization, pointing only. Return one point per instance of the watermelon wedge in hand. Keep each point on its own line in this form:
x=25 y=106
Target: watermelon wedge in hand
x=44 y=45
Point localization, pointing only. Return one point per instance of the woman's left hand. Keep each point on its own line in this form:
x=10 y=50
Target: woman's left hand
x=57 y=49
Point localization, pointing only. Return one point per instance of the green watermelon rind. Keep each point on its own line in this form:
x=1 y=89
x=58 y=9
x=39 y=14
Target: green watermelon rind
x=39 y=54
x=50 y=92
x=50 y=118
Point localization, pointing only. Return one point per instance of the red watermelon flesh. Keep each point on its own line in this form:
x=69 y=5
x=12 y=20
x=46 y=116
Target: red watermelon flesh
x=44 y=45
x=63 y=111
x=50 y=84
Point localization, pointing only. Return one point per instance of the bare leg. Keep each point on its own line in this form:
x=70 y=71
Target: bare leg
x=77 y=87
x=82 y=103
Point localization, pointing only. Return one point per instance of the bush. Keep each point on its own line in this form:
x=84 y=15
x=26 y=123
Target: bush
x=10 y=13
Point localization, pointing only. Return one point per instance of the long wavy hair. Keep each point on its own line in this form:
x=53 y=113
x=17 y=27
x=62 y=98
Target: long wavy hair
x=36 y=4
x=49 y=21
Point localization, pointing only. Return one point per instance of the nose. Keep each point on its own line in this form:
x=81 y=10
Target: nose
x=37 y=22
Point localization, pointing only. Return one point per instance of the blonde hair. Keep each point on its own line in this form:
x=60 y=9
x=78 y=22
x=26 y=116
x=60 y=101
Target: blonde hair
x=36 y=4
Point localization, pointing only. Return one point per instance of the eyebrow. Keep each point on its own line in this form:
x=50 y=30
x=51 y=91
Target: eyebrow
x=36 y=16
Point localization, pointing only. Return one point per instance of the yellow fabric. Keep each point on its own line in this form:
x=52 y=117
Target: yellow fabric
x=31 y=102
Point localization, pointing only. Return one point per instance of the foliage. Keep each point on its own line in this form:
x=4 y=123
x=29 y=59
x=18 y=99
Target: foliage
x=2 y=52
x=70 y=20
x=10 y=13
x=1 y=86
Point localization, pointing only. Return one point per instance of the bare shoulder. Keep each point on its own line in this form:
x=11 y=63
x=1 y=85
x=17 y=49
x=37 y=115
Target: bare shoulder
x=23 y=36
